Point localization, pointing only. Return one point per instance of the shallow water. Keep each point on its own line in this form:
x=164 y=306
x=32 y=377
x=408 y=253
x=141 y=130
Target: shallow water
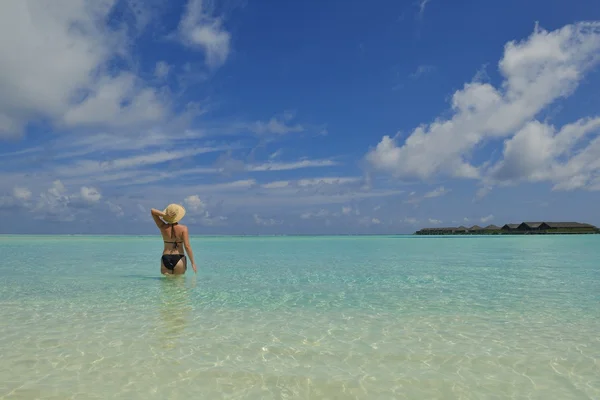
x=301 y=318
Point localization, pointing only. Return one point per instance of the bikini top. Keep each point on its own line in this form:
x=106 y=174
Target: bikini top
x=172 y=236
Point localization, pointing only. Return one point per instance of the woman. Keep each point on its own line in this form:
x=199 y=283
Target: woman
x=176 y=238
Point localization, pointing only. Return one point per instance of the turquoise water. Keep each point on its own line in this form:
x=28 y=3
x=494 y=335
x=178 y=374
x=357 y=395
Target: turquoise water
x=301 y=318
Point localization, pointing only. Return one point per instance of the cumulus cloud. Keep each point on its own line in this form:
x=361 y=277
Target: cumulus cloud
x=537 y=152
x=194 y=203
x=536 y=71
x=90 y=194
x=198 y=28
x=54 y=201
x=59 y=68
x=21 y=193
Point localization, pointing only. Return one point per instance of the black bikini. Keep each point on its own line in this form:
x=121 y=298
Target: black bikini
x=171 y=260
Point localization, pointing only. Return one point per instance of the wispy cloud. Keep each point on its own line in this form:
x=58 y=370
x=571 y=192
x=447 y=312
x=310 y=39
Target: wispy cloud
x=283 y=166
x=162 y=69
x=199 y=28
x=274 y=126
x=421 y=71
x=422 y=4
x=440 y=191
x=487 y=218
x=89 y=167
x=413 y=198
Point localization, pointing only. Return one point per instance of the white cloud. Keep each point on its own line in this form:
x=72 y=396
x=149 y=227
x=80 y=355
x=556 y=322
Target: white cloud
x=72 y=146
x=274 y=126
x=369 y=221
x=487 y=218
x=90 y=194
x=87 y=167
x=346 y=210
x=58 y=69
x=117 y=101
x=534 y=154
x=434 y=221
x=328 y=181
x=162 y=69
x=440 y=191
x=319 y=214
x=207 y=219
x=276 y=154
x=482 y=192
x=21 y=193
x=537 y=71
x=422 y=70
x=249 y=195
x=422 y=5
x=57 y=202
x=199 y=29
x=194 y=203
x=266 y=221
x=310 y=182
x=272 y=166
x=276 y=184
x=115 y=209
x=54 y=202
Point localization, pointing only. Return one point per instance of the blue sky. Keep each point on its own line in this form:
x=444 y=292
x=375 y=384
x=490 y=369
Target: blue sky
x=269 y=117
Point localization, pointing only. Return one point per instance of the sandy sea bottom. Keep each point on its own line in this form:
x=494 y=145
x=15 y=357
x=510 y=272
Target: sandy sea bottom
x=302 y=318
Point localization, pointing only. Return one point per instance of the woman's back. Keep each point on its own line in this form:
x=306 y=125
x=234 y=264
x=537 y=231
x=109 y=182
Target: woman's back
x=173 y=237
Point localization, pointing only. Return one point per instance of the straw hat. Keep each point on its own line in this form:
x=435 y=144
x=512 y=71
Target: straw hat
x=173 y=213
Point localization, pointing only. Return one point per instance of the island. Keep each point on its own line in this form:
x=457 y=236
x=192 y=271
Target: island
x=524 y=228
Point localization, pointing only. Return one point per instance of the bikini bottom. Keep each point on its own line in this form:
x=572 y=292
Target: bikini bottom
x=171 y=260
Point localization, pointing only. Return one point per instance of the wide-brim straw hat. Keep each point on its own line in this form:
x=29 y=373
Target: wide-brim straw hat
x=173 y=213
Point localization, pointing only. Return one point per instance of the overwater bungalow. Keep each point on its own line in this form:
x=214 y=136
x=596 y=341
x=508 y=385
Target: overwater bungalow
x=513 y=229
x=492 y=227
x=510 y=227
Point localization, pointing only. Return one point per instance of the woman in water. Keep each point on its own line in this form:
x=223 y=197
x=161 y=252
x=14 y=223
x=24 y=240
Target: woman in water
x=176 y=238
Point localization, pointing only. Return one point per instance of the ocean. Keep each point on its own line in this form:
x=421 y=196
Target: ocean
x=348 y=317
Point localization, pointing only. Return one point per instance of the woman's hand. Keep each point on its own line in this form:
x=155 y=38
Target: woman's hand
x=195 y=269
